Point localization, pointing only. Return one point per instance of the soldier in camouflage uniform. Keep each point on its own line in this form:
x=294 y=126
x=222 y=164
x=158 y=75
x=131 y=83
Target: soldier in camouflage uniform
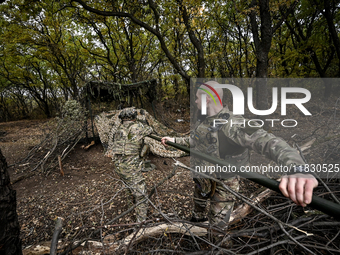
x=231 y=142
x=126 y=149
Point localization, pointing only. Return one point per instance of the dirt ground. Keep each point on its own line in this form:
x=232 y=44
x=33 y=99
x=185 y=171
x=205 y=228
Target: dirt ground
x=90 y=194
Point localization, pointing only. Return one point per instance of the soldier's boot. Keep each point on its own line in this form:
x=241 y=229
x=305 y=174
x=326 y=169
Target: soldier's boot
x=219 y=214
x=147 y=166
x=222 y=203
x=198 y=217
x=199 y=212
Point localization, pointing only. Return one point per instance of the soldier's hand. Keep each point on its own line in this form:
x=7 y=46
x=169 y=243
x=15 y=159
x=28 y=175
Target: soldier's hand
x=298 y=187
x=165 y=139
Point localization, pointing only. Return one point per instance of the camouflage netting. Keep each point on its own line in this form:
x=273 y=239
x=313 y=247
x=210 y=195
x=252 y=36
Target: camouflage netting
x=108 y=123
x=139 y=94
x=97 y=96
x=72 y=126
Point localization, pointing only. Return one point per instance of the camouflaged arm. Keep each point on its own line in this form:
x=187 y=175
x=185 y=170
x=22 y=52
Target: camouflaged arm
x=183 y=141
x=148 y=130
x=264 y=143
x=146 y=148
x=139 y=131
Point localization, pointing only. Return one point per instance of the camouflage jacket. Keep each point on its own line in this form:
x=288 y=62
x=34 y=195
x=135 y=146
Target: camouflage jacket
x=232 y=139
x=128 y=139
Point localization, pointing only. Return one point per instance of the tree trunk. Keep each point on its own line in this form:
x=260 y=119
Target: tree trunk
x=332 y=29
x=10 y=242
x=261 y=83
x=194 y=40
x=262 y=47
x=263 y=35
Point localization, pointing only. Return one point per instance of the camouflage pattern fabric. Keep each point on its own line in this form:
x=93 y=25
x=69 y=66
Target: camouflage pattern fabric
x=126 y=147
x=129 y=169
x=123 y=143
x=230 y=142
x=107 y=124
x=221 y=202
x=128 y=139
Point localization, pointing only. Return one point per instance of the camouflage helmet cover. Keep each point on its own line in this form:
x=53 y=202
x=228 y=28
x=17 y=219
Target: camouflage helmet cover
x=128 y=113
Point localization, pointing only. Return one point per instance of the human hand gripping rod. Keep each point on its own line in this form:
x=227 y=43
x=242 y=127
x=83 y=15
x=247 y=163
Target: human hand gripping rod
x=318 y=203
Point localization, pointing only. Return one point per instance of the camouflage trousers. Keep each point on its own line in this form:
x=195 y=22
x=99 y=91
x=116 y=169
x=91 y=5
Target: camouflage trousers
x=129 y=169
x=221 y=201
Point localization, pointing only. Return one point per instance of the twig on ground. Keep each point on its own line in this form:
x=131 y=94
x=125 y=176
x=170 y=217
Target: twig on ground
x=58 y=228
x=241 y=197
x=274 y=244
x=294 y=239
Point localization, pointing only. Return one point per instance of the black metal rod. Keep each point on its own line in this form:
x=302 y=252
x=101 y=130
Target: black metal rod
x=318 y=203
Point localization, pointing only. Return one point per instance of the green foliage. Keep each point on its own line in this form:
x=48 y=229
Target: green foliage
x=49 y=49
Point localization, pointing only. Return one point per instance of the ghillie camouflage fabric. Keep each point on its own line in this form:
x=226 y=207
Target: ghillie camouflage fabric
x=108 y=123
x=231 y=142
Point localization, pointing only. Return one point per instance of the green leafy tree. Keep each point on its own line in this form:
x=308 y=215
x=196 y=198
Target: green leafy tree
x=157 y=23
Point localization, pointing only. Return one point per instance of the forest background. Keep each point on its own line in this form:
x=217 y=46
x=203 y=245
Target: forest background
x=53 y=51
x=50 y=50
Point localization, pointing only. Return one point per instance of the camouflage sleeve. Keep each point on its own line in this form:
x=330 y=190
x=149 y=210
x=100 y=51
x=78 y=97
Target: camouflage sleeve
x=139 y=131
x=186 y=141
x=183 y=141
x=262 y=142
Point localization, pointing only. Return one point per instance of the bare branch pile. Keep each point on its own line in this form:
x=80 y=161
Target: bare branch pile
x=69 y=128
x=266 y=223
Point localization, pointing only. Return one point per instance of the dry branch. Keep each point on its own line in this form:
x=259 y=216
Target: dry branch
x=185 y=228
x=67 y=131
x=307 y=145
x=244 y=209
x=60 y=166
x=88 y=146
x=58 y=228
x=163 y=229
